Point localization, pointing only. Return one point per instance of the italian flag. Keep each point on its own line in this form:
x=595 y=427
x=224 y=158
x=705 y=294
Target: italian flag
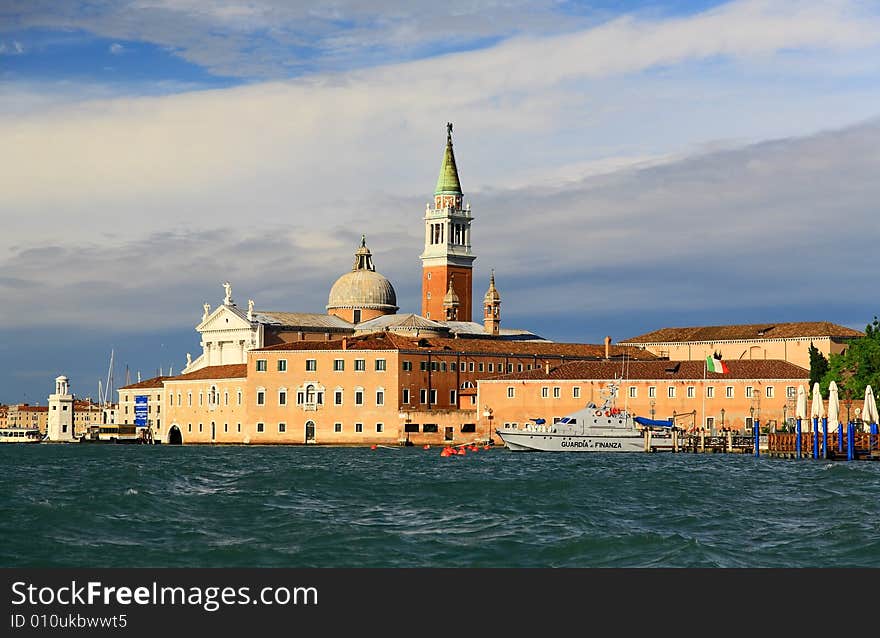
x=716 y=365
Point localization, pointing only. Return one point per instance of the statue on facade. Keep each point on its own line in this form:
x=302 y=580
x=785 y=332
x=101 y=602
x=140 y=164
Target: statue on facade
x=189 y=359
x=228 y=287
x=207 y=311
x=250 y=314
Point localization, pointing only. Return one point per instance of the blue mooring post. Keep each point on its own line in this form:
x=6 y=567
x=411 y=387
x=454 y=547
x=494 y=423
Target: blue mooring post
x=757 y=427
x=872 y=440
x=839 y=437
x=797 y=439
x=850 y=442
x=824 y=437
x=815 y=437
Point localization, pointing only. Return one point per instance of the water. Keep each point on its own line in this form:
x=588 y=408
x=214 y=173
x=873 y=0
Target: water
x=251 y=506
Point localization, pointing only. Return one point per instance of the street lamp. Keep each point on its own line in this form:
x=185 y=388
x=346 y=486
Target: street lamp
x=752 y=414
x=785 y=417
x=722 y=419
x=653 y=402
x=487 y=412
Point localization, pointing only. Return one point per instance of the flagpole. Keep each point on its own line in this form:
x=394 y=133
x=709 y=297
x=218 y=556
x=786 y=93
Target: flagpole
x=705 y=373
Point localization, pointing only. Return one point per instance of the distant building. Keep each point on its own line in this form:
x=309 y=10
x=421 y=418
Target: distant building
x=783 y=341
x=24 y=415
x=150 y=392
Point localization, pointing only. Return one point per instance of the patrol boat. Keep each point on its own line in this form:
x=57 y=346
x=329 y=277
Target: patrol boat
x=604 y=428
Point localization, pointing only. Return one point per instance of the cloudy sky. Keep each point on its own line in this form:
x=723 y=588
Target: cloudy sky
x=630 y=165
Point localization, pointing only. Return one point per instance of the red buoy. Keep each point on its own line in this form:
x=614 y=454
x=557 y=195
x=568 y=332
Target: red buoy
x=427 y=447
x=372 y=447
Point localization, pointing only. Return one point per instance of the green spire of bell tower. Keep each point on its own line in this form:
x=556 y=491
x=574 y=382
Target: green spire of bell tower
x=448 y=182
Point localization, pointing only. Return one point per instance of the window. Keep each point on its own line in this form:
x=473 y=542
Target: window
x=226 y=427
x=201 y=398
x=189 y=427
x=710 y=392
x=337 y=427
x=652 y=391
x=311 y=365
x=633 y=392
x=749 y=392
x=282 y=397
x=180 y=402
x=356 y=318
x=358 y=427
x=545 y=392
x=423 y=396
x=200 y=427
x=468 y=427
x=338 y=365
x=189 y=401
x=519 y=367
x=443 y=366
x=239 y=397
x=452 y=397
x=411 y=427
x=405 y=398
x=576 y=392
x=435 y=367
x=471 y=366
x=379 y=427
x=509 y=367
x=670 y=392
x=359 y=396
x=423 y=365
x=429 y=427
x=491 y=367
x=259 y=427
x=226 y=398
x=282 y=365
x=482 y=366
x=790 y=392
x=453 y=366
x=170 y=400
x=433 y=397
x=728 y=392
x=380 y=397
x=360 y=365
x=238 y=427
x=337 y=397
x=710 y=423
x=557 y=392
x=261 y=397
x=380 y=365
x=407 y=366
x=261 y=365
x=282 y=427
x=769 y=392
x=691 y=392
x=511 y=392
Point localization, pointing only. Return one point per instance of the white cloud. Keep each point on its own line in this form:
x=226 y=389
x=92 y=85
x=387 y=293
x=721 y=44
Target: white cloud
x=116 y=48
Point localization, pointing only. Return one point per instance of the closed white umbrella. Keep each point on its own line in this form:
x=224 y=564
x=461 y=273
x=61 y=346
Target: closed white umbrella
x=817 y=408
x=800 y=408
x=869 y=412
x=833 y=406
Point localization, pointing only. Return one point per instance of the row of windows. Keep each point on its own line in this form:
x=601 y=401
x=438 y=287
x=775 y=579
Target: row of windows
x=337 y=427
x=769 y=392
x=189 y=427
x=313 y=396
x=360 y=365
x=213 y=398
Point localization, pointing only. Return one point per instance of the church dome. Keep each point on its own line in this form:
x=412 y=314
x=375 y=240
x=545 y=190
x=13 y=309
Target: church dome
x=363 y=287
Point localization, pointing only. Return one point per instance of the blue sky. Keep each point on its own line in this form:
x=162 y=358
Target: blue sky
x=631 y=165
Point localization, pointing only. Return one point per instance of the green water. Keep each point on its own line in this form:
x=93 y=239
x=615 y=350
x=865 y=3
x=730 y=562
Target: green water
x=200 y=506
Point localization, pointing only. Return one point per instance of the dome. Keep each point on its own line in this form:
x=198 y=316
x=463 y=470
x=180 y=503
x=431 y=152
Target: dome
x=363 y=289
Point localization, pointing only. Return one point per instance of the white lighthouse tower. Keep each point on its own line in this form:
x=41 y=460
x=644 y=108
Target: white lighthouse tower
x=60 y=419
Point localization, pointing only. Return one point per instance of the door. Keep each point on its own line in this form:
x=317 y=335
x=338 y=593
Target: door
x=310 y=431
x=449 y=434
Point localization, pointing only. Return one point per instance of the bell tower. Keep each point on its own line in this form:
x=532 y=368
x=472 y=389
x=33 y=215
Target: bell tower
x=447 y=261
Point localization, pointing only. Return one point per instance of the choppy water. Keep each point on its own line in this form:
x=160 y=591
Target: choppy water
x=199 y=506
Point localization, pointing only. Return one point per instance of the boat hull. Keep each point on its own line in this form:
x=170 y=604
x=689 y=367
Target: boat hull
x=550 y=442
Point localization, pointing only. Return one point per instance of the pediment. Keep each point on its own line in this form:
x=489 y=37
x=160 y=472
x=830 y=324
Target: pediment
x=223 y=318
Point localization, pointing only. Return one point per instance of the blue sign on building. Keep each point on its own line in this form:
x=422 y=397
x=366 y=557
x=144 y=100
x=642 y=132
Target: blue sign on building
x=140 y=411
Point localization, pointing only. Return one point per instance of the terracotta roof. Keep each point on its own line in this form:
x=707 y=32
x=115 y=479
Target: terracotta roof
x=155 y=382
x=663 y=369
x=746 y=331
x=231 y=371
x=391 y=341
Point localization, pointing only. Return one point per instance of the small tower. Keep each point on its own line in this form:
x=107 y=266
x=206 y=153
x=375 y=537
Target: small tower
x=59 y=425
x=492 y=308
x=450 y=302
x=447 y=253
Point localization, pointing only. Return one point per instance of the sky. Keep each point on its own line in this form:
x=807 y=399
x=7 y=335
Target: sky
x=629 y=165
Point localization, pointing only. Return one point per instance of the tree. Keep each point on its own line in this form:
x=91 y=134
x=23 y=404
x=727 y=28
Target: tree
x=818 y=367
x=858 y=366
